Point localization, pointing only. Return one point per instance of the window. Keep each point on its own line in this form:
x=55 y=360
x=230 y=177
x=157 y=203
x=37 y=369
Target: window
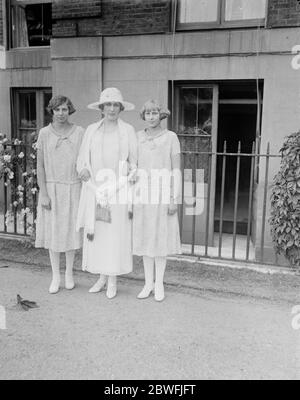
x=30 y=23
x=199 y=11
x=29 y=112
x=238 y=10
x=221 y=13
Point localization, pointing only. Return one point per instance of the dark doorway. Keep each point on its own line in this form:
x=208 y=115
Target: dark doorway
x=237 y=122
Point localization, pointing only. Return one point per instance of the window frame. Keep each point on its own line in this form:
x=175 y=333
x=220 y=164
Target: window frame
x=8 y=20
x=220 y=23
x=39 y=108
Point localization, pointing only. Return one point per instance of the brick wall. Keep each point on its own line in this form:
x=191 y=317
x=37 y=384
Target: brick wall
x=115 y=17
x=282 y=13
x=76 y=9
x=1 y=24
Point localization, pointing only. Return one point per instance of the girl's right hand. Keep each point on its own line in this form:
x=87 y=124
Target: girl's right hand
x=46 y=202
x=85 y=175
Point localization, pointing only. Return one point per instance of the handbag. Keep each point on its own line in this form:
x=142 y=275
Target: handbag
x=103 y=213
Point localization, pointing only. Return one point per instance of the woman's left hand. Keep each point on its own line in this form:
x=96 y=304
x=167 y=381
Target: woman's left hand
x=173 y=208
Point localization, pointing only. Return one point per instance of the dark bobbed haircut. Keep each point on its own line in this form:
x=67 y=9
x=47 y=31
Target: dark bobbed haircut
x=101 y=106
x=154 y=105
x=57 y=101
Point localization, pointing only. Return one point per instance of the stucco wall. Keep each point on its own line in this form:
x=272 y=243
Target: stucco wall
x=142 y=66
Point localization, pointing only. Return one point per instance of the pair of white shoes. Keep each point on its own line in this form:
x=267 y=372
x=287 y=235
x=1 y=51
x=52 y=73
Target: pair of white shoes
x=159 y=292
x=55 y=284
x=111 y=290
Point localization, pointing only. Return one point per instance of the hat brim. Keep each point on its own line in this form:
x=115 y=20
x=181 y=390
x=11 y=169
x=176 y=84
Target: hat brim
x=127 y=106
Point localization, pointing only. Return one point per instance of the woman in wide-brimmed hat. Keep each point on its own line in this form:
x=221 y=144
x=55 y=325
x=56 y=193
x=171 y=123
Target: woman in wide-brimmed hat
x=107 y=158
x=57 y=151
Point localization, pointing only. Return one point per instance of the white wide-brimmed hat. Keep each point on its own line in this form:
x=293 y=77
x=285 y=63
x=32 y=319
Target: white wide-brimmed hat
x=111 y=95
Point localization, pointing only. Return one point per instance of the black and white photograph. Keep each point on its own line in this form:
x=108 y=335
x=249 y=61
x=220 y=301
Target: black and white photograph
x=149 y=192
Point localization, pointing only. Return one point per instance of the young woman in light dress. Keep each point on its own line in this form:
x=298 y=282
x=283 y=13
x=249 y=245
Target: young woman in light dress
x=57 y=151
x=155 y=222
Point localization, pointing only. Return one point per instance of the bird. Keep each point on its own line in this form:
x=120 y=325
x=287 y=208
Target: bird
x=26 y=304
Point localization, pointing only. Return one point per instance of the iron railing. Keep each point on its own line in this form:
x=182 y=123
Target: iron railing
x=218 y=231
x=23 y=169
x=243 y=241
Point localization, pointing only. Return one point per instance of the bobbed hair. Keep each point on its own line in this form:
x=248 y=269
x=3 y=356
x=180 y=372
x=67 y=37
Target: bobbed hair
x=154 y=105
x=57 y=101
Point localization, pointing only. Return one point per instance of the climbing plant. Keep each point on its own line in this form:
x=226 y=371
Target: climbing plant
x=285 y=202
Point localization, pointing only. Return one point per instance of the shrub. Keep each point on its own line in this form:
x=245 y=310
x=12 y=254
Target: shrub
x=285 y=202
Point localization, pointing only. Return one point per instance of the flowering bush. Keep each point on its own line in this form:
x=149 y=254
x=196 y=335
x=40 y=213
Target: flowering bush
x=18 y=170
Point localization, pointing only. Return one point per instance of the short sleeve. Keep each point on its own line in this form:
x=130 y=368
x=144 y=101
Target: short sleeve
x=40 y=141
x=175 y=145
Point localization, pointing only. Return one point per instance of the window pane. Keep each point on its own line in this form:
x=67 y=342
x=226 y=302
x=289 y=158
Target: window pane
x=39 y=24
x=195 y=125
x=27 y=110
x=47 y=116
x=245 y=9
x=19 y=32
x=195 y=111
x=198 y=11
x=31 y=25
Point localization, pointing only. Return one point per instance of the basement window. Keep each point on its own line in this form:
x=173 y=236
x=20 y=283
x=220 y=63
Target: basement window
x=30 y=23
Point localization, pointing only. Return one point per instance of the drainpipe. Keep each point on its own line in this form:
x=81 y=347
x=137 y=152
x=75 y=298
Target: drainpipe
x=174 y=20
x=102 y=63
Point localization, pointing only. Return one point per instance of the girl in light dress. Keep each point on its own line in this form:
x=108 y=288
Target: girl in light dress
x=57 y=151
x=155 y=223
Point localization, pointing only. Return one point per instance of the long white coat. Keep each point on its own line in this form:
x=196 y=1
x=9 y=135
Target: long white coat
x=128 y=154
x=110 y=252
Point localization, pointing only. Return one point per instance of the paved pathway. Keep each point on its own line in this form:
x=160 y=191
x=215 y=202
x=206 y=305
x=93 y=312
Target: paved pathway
x=193 y=334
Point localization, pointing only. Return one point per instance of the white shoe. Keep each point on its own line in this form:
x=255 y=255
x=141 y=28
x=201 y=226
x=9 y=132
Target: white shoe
x=159 y=292
x=54 y=287
x=111 y=291
x=99 y=285
x=146 y=291
x=69 y=282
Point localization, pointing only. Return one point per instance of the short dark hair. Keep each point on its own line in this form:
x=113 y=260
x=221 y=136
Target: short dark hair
x=57 y=101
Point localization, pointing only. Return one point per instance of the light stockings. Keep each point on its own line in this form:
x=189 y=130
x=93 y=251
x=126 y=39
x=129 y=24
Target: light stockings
x=54 y=259
x=69 y=280
x=55 y=265
x=149 y=275
x=111 y=287
x=160 y=267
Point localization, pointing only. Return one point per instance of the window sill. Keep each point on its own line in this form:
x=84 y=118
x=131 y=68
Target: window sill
x=29 y=48
x=253 y=24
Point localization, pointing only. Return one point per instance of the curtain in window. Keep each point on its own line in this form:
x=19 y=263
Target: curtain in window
x=19 y=27
x=244 y=9
x=198 y=11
